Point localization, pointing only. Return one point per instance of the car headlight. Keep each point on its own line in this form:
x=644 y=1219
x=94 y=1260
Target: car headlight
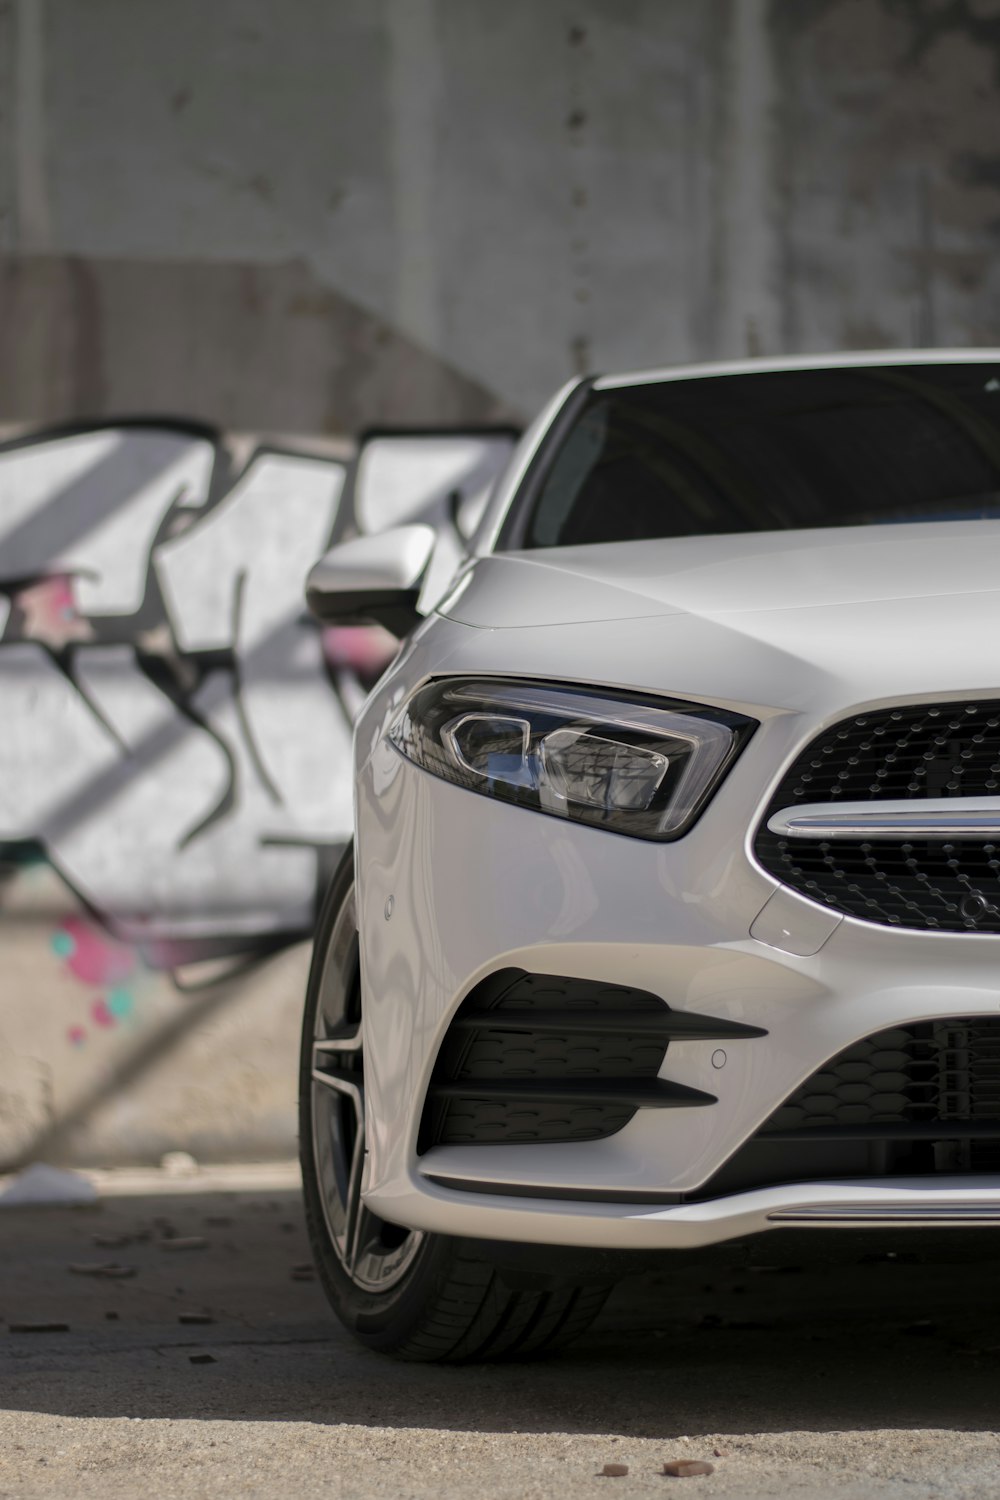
x=640 y=767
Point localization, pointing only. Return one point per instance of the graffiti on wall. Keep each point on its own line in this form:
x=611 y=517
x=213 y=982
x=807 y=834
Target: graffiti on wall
x=176 y=729
x=171 y=741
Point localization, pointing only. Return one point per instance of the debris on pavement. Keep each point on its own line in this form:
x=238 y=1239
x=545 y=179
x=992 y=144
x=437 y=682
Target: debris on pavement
x=613 y=1471
x=295 y=1404
x=38 y=1327
x=178 y=1164
x=184 y=1242
x=111 y=1270
x=305 y=1272
x=40 y=1185
x=687 y=1468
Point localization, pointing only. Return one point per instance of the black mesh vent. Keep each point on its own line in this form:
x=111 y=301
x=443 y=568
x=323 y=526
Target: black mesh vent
x=490 y=1052
x=935 y=1071
x=536 y=1057
x=911 y=1101
x=929 y=750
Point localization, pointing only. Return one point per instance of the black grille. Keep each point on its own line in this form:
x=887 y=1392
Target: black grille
x=911 y=1101
x=933 y=1070
x=537 y=1057
x=928 y=750
x=936 y=1082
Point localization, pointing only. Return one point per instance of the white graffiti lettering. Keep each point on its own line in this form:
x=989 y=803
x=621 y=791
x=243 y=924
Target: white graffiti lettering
x=176 y=731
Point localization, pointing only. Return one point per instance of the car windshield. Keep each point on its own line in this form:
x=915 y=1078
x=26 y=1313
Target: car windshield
x=771 y=451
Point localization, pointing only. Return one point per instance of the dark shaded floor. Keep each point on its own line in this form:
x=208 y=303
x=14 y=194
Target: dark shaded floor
x=861 y=1341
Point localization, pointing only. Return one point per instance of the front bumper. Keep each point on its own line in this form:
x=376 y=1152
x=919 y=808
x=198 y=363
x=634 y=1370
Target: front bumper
x=453 y=886
x=477 y=886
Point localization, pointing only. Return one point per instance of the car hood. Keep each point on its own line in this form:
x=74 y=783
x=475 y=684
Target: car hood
x=719 y=576
x=794 y=620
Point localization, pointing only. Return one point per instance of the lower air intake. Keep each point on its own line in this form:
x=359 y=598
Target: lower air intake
x=911 y=1101
x=935 y=1082
x=544 y=1058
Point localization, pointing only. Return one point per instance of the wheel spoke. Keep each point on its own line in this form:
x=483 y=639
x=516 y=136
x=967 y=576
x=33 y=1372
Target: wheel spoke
x=347 y=1042
x=374 y=1255
x=355 y=1211
x=346 y=1079
x=343 y=1083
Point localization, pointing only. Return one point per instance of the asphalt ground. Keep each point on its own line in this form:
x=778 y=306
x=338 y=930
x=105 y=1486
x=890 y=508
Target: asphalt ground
x=846 y=1366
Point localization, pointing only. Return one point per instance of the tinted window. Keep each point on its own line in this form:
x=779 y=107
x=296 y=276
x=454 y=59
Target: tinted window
x=772 y=451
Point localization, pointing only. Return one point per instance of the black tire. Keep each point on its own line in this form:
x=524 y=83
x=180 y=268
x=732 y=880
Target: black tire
x=417 y=1297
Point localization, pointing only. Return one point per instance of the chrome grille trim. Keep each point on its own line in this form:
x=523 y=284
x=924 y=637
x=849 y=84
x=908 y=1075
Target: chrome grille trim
x=892 y=816
x=930 y=818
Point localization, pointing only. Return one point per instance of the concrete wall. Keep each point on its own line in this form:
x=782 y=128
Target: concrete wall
x=106 y=1059
x=314 y=217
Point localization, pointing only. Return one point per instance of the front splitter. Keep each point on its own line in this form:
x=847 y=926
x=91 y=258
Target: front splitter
x=912 y=1202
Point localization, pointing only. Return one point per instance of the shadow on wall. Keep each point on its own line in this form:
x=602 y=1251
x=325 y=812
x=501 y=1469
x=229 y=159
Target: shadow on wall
x=175 y=761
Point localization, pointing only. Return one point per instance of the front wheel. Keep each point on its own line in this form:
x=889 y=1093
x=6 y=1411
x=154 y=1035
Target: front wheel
x=417 y=1296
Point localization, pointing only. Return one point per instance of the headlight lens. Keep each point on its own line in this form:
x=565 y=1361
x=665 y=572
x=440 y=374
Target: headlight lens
x=639 y=767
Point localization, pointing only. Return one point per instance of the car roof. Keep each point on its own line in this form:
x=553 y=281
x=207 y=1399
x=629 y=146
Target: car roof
x=853 y=360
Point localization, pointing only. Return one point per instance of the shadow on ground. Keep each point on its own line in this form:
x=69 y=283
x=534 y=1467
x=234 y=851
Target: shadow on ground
x=852 y=1332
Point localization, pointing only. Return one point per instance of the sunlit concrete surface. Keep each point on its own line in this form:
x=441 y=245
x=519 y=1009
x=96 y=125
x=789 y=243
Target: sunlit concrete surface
x=854 y=1375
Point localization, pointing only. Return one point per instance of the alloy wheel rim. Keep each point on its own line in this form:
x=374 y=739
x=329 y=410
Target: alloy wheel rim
x=375 y=1255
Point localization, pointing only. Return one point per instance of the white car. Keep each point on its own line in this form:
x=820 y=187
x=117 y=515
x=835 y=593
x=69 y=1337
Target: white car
x=673 y=913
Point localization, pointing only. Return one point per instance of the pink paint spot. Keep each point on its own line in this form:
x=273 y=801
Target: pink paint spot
x=95 y=958
x=365 y=649
x=77 y=1036
x=49 y=612
x=100 y=1014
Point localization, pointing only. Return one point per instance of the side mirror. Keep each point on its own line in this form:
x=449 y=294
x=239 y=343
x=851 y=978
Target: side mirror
x=372 y=580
